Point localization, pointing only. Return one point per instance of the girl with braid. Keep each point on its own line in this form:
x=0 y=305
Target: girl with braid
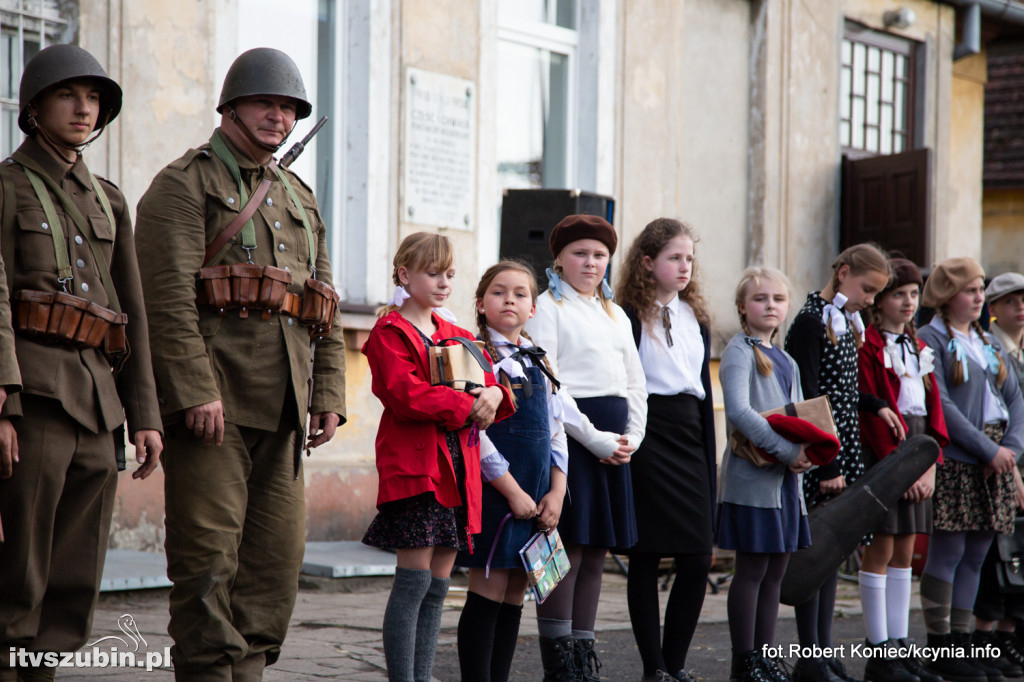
x=762 y=513
x=823 y=340
x=975 y=486
x=896 y=366
x=524 y=459
x=674 y=471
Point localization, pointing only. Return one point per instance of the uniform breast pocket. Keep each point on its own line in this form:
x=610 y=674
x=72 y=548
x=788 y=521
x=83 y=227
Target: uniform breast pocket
x=301 y=241
x=104 y=233
x=35 y=242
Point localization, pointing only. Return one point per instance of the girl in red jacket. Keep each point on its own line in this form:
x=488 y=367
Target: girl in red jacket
x=428 y=452
x=896 y=366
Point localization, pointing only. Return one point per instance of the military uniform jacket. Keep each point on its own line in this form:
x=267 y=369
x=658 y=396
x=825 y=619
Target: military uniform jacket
x=80 y=379
x=199 y=356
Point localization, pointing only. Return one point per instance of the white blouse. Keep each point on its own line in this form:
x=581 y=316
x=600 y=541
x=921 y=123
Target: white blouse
x=911 y=400
x=593 y=355
x=673 y=369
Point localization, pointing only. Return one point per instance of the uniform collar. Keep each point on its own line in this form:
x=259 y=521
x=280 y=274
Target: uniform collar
x=1008 y=344
x=243 y=159
x=55 y=168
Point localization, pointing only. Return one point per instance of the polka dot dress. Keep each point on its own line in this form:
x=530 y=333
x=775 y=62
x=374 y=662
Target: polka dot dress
x=837 y=377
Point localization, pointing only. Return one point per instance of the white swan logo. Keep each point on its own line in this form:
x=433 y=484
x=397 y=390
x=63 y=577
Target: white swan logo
x=127 y=624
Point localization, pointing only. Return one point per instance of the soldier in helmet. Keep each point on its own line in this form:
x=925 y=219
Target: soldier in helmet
x=82 y=348
x=219 y=231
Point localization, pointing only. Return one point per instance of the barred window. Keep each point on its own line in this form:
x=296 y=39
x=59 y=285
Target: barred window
x=26 y=27
x=876 y=108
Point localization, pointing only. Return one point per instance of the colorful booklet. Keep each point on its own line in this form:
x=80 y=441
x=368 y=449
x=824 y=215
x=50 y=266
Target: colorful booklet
x=546 y=563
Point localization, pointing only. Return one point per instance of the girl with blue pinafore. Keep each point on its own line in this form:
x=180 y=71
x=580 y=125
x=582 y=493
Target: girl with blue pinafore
x=524 y=462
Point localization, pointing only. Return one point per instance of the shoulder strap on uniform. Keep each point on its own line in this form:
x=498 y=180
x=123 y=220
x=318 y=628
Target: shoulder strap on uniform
x=104 y=202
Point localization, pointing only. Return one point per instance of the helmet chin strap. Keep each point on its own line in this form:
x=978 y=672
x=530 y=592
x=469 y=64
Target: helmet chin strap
x=61 y=147
x=255 y=140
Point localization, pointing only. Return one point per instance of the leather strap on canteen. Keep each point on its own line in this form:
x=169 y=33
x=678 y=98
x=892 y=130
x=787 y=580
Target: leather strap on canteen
x=790 y=409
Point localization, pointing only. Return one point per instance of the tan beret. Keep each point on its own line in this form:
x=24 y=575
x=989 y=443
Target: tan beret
x=948 y=278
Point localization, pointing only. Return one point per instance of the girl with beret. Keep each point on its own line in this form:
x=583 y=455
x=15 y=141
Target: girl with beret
x=589 y=341
x=975 y=486
x=674 y=471
x=896 y=366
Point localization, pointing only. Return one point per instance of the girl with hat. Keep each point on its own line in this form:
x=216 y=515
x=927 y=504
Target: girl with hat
x=997 y=614
x=896 y=366
x=589 y=341
x=974 y=487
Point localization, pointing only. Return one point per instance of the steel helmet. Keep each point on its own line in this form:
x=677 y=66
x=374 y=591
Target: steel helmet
x=265 y=71
x=59 y=63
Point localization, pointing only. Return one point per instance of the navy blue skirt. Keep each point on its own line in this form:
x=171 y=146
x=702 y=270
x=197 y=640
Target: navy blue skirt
x=765 y=530
x=598 y=509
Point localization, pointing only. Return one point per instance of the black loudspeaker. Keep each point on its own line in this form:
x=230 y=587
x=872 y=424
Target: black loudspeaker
x=529 y=215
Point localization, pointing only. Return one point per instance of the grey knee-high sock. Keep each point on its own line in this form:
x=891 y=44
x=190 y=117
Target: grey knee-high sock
x=936 y=600
x=428 y=627
x=400 y=619
x=960 y=620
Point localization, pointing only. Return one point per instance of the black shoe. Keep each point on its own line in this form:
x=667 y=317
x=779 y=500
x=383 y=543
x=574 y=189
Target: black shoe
x=1012 y=646
x=988 y=666
x=746 y=667
x=840 y=670
x=559 y=659
x=586 y=660
x=1002 y=661
x=814 y=670
x=911 y=663
x=775 y=670
x=881 y=667
x=683 y=676
x=947 y=664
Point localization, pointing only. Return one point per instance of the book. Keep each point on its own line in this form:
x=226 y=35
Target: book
x=546 y=563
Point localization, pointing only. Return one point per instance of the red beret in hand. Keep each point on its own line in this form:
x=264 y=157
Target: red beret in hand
x=822 y=447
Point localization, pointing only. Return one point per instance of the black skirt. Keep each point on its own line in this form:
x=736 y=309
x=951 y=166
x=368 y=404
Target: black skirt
x=671 y=486
x=598 y=509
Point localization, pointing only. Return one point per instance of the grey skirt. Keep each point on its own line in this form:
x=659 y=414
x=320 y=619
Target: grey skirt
x=907 y=517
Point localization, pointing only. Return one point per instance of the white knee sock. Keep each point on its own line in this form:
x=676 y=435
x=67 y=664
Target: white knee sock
x=872 y=599
x=897 y=602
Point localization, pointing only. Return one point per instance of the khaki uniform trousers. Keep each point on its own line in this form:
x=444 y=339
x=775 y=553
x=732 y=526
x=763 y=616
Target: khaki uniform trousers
x=235 y=541
x=56 y=511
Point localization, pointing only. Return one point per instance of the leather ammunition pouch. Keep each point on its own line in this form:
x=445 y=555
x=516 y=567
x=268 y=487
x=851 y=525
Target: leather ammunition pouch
x=248 y=287
x=59 y=318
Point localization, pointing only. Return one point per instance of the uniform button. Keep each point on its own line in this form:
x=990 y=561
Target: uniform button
x=270 y=202
x=286 y=269
x=291 y=321
x=45 y=226
x=231 y=200
x=281 y=248
x=78 y=239
x=277 y=224
x=80 y=263
x=85 y=287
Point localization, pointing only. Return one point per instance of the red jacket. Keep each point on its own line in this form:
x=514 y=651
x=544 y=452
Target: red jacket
x=412 y=452
x=874 y=378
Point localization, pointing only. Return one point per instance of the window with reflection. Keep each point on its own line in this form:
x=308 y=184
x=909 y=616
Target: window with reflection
x=536 y=59
x=876 y=93
x=26 y=27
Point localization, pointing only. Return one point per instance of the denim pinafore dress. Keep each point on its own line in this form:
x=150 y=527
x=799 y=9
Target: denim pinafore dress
x=524 y=439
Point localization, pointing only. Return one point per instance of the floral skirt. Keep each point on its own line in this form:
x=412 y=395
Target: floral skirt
x=971 y=497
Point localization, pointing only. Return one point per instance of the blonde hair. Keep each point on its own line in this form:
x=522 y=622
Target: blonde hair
x=418 y=252
x=507 y=265
x=861 y=259
x=637 y=286
x=754 y=276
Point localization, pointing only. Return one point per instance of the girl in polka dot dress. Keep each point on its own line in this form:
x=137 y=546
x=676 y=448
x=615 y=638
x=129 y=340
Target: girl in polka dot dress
x=824 y=340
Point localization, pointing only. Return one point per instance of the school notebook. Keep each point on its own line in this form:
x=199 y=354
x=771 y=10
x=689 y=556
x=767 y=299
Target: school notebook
x=546 y=563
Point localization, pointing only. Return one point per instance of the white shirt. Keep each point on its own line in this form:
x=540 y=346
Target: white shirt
x=593 y=355
x=974 y=345
x=676 y=369
x=911 y=400
x=492 y=463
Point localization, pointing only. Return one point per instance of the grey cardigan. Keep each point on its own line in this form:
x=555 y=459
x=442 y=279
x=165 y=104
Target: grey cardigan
x=746 y=393
x=963 y=406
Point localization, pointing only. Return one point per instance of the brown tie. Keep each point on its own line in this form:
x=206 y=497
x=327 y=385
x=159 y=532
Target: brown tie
x=666 y=322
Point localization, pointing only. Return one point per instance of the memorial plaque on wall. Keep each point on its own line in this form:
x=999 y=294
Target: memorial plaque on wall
x=439 y=170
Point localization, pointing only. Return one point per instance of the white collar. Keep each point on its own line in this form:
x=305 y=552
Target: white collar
x=498 y=339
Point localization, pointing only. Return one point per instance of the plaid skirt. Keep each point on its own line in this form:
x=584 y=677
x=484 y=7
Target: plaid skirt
x=971 y=497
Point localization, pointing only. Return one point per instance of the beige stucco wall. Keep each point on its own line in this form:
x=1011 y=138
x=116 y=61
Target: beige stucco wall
x=1003 y=220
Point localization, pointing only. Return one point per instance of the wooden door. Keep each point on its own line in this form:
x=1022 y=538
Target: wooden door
x=885 y=199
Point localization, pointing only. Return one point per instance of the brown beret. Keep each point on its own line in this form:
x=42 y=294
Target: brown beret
x=904 y=272
x=947 y=279
x=583 y=226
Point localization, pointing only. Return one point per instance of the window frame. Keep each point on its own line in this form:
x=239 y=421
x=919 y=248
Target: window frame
x=855 y=34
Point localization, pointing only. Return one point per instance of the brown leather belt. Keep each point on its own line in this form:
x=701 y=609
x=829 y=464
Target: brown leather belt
x=60 y=318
